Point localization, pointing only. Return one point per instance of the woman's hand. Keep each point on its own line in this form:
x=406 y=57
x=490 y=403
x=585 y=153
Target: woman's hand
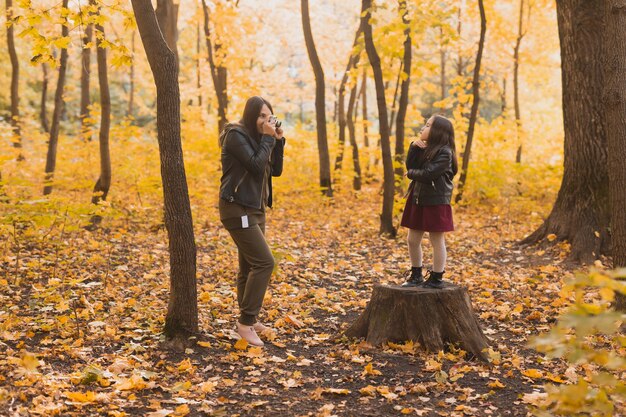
x=420 y=143
x=279 y=133
x=268 y=128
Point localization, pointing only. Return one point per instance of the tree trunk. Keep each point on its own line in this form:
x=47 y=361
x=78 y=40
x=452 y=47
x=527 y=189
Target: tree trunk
x=460 y=64
x=366 y=140
x=386 y=217
x=85 y=75
x=219 y=73
x=103 y=184
x=518 y=118
x=198 y=80
x=615 y=112
x=4 y=198
x=503 y=96
x=364 y=121
x=167 y=16
x=475 y=101
x=320 y=102
x=131 y=94
x=392 y=116
x=434 y=318
x=15 y=79
x=352 y=63
x=404 y=97
x=581 y=211
x=356 y=182
x=51 y=158
x=182 y=312
x=43 y=113
x=442 y=56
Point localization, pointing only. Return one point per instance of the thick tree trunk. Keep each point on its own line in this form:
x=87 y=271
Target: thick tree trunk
x=182 y=312
x=131 y=93
x=386 y=217
x=352 y=63
x=581 y=211
x=518 y=117
x=103 y=184
x=43 y=112
x=434 y=318
x=475 y=102
x=85 y=75
x=51 y=158
x=15 y=78
x=167 y=16
x=615 y=112
x=404 y=97
x=356 y=182
x=219 y=73
x=320 y=102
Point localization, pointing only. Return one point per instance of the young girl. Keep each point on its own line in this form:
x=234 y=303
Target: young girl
x=431 y=164
x=252 y=153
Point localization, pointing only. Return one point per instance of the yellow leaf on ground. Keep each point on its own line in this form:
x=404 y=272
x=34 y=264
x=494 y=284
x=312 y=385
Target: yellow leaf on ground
x=433 y=365
x=496 y=384
x=161 y=413
x=30 y=361
x=554 y=378
x=182 y=410
x=533 y=373
x=339 y=391
x=135 y=382
x=81 y=397
x=292 y=320
x=369 y=391
x=241 y=344
x=369 y=370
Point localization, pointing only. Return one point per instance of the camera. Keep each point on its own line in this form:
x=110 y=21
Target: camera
x=275 y=121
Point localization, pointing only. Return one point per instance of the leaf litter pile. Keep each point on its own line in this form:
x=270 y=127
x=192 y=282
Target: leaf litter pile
x=82 y=313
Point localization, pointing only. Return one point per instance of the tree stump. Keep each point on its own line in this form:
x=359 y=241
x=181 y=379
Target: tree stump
x=432 y=317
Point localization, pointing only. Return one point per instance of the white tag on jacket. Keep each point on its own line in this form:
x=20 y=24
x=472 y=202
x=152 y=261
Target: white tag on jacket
x=244 y=222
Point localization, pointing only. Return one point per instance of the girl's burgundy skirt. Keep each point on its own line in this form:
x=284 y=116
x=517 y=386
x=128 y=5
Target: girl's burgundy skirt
x=427 y=218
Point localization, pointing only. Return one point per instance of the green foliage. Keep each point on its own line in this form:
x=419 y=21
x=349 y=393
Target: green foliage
x=588 y=335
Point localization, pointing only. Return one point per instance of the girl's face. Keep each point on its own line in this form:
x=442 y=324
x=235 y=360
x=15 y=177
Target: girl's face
x=263 y=116
x=426 y=129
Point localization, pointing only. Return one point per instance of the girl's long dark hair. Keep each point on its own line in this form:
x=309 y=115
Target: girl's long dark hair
x=251 y=113
x=441 y=134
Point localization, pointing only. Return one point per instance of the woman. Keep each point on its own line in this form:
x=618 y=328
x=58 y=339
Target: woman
x=432 y=164
x=252 y=152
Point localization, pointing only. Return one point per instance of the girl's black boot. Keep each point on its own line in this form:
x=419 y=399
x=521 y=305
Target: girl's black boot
x=416 y=278
x=435 y=280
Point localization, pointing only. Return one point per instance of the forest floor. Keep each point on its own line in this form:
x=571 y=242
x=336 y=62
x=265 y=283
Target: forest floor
x=82 y=314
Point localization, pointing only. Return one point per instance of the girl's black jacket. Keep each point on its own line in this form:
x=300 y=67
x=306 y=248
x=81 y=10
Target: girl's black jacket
x=244 y=161
x=432 y=179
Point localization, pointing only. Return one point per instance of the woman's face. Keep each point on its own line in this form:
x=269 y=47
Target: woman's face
x=426 y=129
x=263 y=116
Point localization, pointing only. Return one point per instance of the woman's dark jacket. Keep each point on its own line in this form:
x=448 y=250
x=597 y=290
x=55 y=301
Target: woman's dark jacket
x=244 y=162
x=432 y=179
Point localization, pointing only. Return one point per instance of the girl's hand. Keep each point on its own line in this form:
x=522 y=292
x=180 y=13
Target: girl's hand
x=268 y=128
x=420 y=143
x=279 y=133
